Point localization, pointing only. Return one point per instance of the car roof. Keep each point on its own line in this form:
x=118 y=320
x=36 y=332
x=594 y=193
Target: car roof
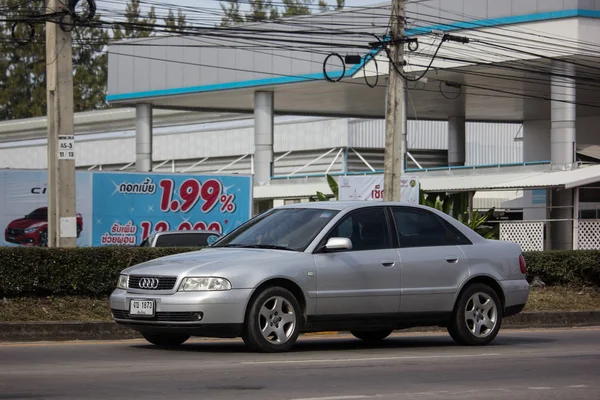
x=349 y=205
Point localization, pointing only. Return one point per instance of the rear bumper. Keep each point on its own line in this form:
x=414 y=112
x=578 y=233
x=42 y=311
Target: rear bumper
x=516 y=294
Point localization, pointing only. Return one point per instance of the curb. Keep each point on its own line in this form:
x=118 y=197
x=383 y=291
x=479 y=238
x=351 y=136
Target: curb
x=62 y=331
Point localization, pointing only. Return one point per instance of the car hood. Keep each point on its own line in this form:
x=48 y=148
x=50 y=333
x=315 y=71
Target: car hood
x=24 y=223
x=207 y=261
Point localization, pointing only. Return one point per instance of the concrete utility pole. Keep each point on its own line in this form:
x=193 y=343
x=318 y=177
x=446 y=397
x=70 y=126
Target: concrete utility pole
x=395 y=126
x=62 y=222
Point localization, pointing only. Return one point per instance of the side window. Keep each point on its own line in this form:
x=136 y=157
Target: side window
x=419 y=228
x=181 y=240
x=367 y=229
x=454 y=235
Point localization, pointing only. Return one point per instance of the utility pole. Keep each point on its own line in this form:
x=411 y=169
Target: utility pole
x=395 y=126
x=62 y=222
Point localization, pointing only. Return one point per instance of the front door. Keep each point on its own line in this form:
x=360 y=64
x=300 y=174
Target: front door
x=364 y=281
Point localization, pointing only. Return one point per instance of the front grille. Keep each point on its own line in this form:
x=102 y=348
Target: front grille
x=164 y=282
x=15 y=232
x=168 y=316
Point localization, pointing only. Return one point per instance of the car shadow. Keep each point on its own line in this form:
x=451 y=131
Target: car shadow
x=319 y=343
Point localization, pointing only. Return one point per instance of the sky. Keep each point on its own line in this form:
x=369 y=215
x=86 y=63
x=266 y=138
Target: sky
x=211 y=4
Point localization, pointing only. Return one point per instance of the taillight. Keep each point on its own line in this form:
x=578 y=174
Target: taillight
x=522 y=264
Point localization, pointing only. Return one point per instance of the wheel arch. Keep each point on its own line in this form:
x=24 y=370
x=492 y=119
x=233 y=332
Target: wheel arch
x=283 y=282
x=486 y=280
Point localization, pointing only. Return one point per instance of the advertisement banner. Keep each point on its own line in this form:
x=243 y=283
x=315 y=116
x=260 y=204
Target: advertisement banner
x=24 y=212
x=123 y=208
x=130 y=206
x=370 y=188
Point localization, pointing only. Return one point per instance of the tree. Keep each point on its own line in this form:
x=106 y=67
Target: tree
x=23 y=64
x=296 y=7
x=323 y=6
x=231 y=13
x=174 y=23
x=263 y=10
x=135 y=25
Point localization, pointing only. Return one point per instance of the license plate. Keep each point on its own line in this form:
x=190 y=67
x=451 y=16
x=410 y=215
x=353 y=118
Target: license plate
x=143 y=308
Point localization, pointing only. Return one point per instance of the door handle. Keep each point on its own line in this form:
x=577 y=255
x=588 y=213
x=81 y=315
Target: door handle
x=452 y=260
x=388 y=263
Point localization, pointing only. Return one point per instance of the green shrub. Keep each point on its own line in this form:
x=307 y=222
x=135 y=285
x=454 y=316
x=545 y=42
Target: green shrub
x=565 y=267
x=87 y=271
x=93 y=271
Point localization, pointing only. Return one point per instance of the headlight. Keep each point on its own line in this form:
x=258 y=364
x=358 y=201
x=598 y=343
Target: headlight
x=122 y=284
x=202 y=284
x=30 y=230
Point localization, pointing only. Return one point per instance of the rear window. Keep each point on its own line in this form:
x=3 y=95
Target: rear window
x=185 y=240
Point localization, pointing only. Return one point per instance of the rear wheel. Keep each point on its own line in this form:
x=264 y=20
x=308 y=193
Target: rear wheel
x=372 y=336
x=273 y=321
x=165 y=340
x=477 y=316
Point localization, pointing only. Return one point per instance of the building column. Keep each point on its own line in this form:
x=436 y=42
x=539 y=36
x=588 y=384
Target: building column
x=456 y=141
x=263 y=136
x=536 y=147
x=563 y=116
x=143 y=137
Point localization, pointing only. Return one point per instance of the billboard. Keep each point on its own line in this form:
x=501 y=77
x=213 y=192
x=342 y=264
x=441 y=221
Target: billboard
x=124 y=208
x=370 y=187
x=24 y=202
x=130 y=206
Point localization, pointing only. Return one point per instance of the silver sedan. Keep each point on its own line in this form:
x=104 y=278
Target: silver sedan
x=363 y=267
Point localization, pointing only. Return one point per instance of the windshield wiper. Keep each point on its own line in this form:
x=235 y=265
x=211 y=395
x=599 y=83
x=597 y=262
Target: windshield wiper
x=266 y=246
x=257 y=246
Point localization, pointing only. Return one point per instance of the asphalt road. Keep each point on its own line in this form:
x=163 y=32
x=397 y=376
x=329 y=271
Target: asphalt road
x=542 y=364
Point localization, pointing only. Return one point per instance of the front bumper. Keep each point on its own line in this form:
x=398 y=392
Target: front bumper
x=25 y=239
x=215 y=314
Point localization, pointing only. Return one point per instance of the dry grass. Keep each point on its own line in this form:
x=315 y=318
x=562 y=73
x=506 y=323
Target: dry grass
x=54 y=309
x=89 y=309
x=563 y=299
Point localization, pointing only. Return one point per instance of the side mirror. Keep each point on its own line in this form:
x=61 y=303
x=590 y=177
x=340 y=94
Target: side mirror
x=338 y=243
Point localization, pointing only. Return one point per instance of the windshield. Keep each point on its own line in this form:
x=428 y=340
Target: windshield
x=39 y=214
x=285 y=229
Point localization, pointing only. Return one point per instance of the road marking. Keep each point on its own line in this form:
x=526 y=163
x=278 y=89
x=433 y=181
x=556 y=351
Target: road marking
x=333 y=360
x=337 y=397
x=577 y=386
x=539 y=388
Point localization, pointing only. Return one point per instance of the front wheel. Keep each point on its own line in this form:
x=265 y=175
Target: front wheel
x=273 y=321
x=165 y=340
x=372 y=336
x=477 y=316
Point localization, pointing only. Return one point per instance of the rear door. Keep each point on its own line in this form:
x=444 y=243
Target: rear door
x=433 y=264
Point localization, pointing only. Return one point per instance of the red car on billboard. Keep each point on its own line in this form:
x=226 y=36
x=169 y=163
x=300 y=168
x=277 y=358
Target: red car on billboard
x=33 y=229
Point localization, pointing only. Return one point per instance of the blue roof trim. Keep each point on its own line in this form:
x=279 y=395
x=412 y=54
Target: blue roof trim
x=516 y=19
x=351 y=71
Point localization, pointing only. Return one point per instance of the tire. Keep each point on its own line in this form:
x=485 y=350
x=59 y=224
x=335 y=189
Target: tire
x=43 y=239
x=372 y=336
x=273 y=321
x=476 y=324
x=165 y=340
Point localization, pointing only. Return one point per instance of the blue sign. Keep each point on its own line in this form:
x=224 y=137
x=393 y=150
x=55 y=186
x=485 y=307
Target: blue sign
x=128 y=207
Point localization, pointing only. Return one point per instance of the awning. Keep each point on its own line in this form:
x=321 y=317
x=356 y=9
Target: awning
x=513 y=180
x=291 y=190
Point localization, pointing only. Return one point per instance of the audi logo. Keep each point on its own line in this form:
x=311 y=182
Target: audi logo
x=148 y=283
